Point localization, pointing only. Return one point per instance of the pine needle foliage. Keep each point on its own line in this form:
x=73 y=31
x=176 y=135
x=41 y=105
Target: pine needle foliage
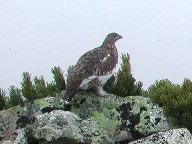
x=51 y=88
x=15 y=97
x=59 y=78
x=2 y=99
x=40 y=87
x=32 y=89
x=175 y=99
x=124 y=84
x=27 y=87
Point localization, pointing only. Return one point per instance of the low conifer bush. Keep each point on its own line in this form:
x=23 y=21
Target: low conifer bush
x=40 y=87
x=175 y=99
x=2 y=99
x=124 y=84
x=27 y=87
x=14 y=98
x=58 y=78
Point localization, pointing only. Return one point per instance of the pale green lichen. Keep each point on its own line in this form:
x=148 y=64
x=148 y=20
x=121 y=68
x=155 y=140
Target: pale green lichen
x=49 y=102
x=9 y=117
x=107 y=119
x=94 y=133
x=41 y=103
x=48 y=133
x=105 y=122
x=110 y=103
x=9 y=142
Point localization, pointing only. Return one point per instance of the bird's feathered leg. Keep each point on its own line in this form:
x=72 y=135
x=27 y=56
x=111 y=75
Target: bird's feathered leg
x=67 y=102
x=68 y=98
x=99 y=90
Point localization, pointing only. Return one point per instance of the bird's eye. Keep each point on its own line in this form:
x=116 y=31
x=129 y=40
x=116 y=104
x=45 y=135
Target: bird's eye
x=114 y=36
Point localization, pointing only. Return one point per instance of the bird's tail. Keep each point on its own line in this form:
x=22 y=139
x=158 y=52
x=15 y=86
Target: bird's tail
x=69 y=95
x=68 y=99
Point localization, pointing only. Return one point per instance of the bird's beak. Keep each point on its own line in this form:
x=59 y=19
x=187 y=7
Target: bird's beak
x=120 y=37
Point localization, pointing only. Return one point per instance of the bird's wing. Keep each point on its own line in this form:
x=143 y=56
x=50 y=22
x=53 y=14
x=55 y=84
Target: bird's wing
x=98 y=61
x=107 y=63
x=91 y=63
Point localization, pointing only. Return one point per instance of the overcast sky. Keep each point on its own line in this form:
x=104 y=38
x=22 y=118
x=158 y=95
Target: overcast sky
x=36 y=35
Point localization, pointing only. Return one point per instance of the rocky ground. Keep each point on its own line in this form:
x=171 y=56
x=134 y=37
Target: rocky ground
x=92 y=120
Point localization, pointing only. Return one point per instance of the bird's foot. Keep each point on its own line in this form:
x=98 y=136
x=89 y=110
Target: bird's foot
x=101 y=92
x=67 y=106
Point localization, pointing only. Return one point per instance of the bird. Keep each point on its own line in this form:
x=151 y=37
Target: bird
x=93 y=68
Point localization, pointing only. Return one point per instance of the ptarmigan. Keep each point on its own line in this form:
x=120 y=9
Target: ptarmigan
x=94 y=68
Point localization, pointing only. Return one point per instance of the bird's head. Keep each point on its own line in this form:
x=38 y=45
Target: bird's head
x=112 y=38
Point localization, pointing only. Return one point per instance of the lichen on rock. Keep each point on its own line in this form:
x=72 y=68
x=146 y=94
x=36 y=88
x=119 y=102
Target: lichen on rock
x=175 y=136
x=92 y=120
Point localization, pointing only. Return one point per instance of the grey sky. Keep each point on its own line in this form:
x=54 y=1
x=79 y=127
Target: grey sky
x=36 y=35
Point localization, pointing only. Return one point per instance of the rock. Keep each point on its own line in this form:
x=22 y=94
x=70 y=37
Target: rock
x=93 y=133
x=20 y=116
x=124 y=118
x=175 y=136
x=141 y=117
x=93 y=119
x=9 y=119
x=58 y=126
x=18 y=137
x=55 y=127
x=65 y=127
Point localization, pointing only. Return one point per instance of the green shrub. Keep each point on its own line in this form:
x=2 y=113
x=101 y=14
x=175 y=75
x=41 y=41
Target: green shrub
x=40 y=87
x=51 y=88
x=14 y=97
x=175 y=99
x=32 y=89
x=59 y=78
x=2 y=99
x=27 y=87
x=124 y=84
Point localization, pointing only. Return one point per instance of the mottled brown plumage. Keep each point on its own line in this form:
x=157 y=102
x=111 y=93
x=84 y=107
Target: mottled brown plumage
x=93 y=68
